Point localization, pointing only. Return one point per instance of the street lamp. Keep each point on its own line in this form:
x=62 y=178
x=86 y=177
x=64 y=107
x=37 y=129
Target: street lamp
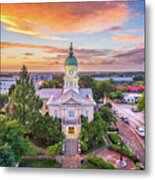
x=121 y=162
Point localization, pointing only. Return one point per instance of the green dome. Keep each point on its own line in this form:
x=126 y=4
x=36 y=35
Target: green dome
x=71 y=60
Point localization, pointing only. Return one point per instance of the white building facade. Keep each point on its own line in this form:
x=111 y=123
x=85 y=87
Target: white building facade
x=71 y=102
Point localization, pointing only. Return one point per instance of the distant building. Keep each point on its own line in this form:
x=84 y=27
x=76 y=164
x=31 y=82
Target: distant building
x=131 y=97
x=41 y=77
x=7 y=82
x=116 y=80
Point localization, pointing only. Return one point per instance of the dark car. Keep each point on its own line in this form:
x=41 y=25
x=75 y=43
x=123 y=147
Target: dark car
x=125 y=119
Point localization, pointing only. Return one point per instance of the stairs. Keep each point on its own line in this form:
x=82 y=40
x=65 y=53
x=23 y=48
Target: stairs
x=71 y=146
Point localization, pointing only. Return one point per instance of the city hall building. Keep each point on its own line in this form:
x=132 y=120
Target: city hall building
x=70 y=102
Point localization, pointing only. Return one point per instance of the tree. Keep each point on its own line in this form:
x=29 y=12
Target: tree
x=48 y=130
x=116 y=95
x=3 y=100
x=141 y=102
x=86 y=82
x=24 y=101
x=104 y=88
x=92 y=133
x=12 y=142
x=11 y=89
x=107 y=115
x=52 y=84
x=54 y=150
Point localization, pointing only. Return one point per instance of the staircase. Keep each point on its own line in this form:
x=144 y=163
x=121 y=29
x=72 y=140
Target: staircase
x=71 y=146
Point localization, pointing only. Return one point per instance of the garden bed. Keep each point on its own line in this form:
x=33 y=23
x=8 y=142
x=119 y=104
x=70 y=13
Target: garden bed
x=40 y=163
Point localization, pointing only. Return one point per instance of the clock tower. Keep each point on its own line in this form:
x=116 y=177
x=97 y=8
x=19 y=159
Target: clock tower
x=71 y=67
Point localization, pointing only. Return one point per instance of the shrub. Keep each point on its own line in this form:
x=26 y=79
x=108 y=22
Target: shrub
x=96 y=162
x=111 y=128
x=114 y=138
x=43 y=163
x=108 y=104
x=125 y=150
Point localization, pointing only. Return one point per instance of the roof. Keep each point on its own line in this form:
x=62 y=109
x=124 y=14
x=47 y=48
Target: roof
x=116 y=79
x=131 y=88
x=56 y=96
x=46 y=93
x=71 y=60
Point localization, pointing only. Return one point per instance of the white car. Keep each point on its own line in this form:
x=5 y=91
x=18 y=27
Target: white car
x=140 y=131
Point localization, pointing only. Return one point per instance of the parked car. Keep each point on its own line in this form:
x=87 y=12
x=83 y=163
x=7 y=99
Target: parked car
x=119 y=115
x=134 y=109
x=140 y=131
x=125 y=119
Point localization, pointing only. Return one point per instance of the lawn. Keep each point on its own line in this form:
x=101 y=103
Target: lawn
x=31 y=150
x=40 y=163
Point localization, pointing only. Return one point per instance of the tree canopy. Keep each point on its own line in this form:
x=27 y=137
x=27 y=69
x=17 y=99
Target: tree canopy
x=24 y=102
x=12 y=142
x=141 y=102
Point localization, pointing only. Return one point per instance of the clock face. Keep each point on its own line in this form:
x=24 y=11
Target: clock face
x=71 y=72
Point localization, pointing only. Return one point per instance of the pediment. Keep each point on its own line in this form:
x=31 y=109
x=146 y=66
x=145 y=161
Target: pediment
x=71 y=101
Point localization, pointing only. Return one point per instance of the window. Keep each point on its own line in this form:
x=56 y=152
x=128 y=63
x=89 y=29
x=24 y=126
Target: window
x=55 y=114
x=71 y=114
x=86 y=113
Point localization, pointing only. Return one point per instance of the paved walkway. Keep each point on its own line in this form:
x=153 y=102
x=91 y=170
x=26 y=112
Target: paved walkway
x=74 y=161
x=112 y=157
x=71 y=146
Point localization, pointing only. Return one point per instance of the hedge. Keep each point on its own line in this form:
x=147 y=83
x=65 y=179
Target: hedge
x=114 y=138
x=97 y=163
x=125 y=151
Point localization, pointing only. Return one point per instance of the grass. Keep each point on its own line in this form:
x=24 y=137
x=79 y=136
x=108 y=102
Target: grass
x=31 y=150
x=40 y=163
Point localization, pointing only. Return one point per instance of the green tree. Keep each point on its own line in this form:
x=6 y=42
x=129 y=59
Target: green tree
x=7 y=157
x=116 y=95
x=25 y=103
x=141 y=102
x=54 y=150
x=3 y=100
x=92 y=133
x=12 y=142
x=104 y=88
x=86 y=82
x=52 y=84
x=107 y=115
x=48 y=130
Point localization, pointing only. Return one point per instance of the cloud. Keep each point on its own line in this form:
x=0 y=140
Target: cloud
x=40 y=19
x=127 y=38
x=28 y=54
x=99 y=59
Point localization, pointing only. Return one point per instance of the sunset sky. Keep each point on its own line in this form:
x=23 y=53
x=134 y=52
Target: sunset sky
x=105 y=35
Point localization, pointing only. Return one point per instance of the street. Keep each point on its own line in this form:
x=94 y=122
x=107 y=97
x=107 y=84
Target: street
x=136 y=119
x=127 y=131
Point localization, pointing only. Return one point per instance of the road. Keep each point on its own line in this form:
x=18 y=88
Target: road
x=131 y=138
x=136 y=118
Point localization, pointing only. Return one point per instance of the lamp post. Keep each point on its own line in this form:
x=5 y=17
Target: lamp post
x=122 y=163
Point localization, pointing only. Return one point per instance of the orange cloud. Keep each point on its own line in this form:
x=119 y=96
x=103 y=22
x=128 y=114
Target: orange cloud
x=128 y=38
x=38 y=19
